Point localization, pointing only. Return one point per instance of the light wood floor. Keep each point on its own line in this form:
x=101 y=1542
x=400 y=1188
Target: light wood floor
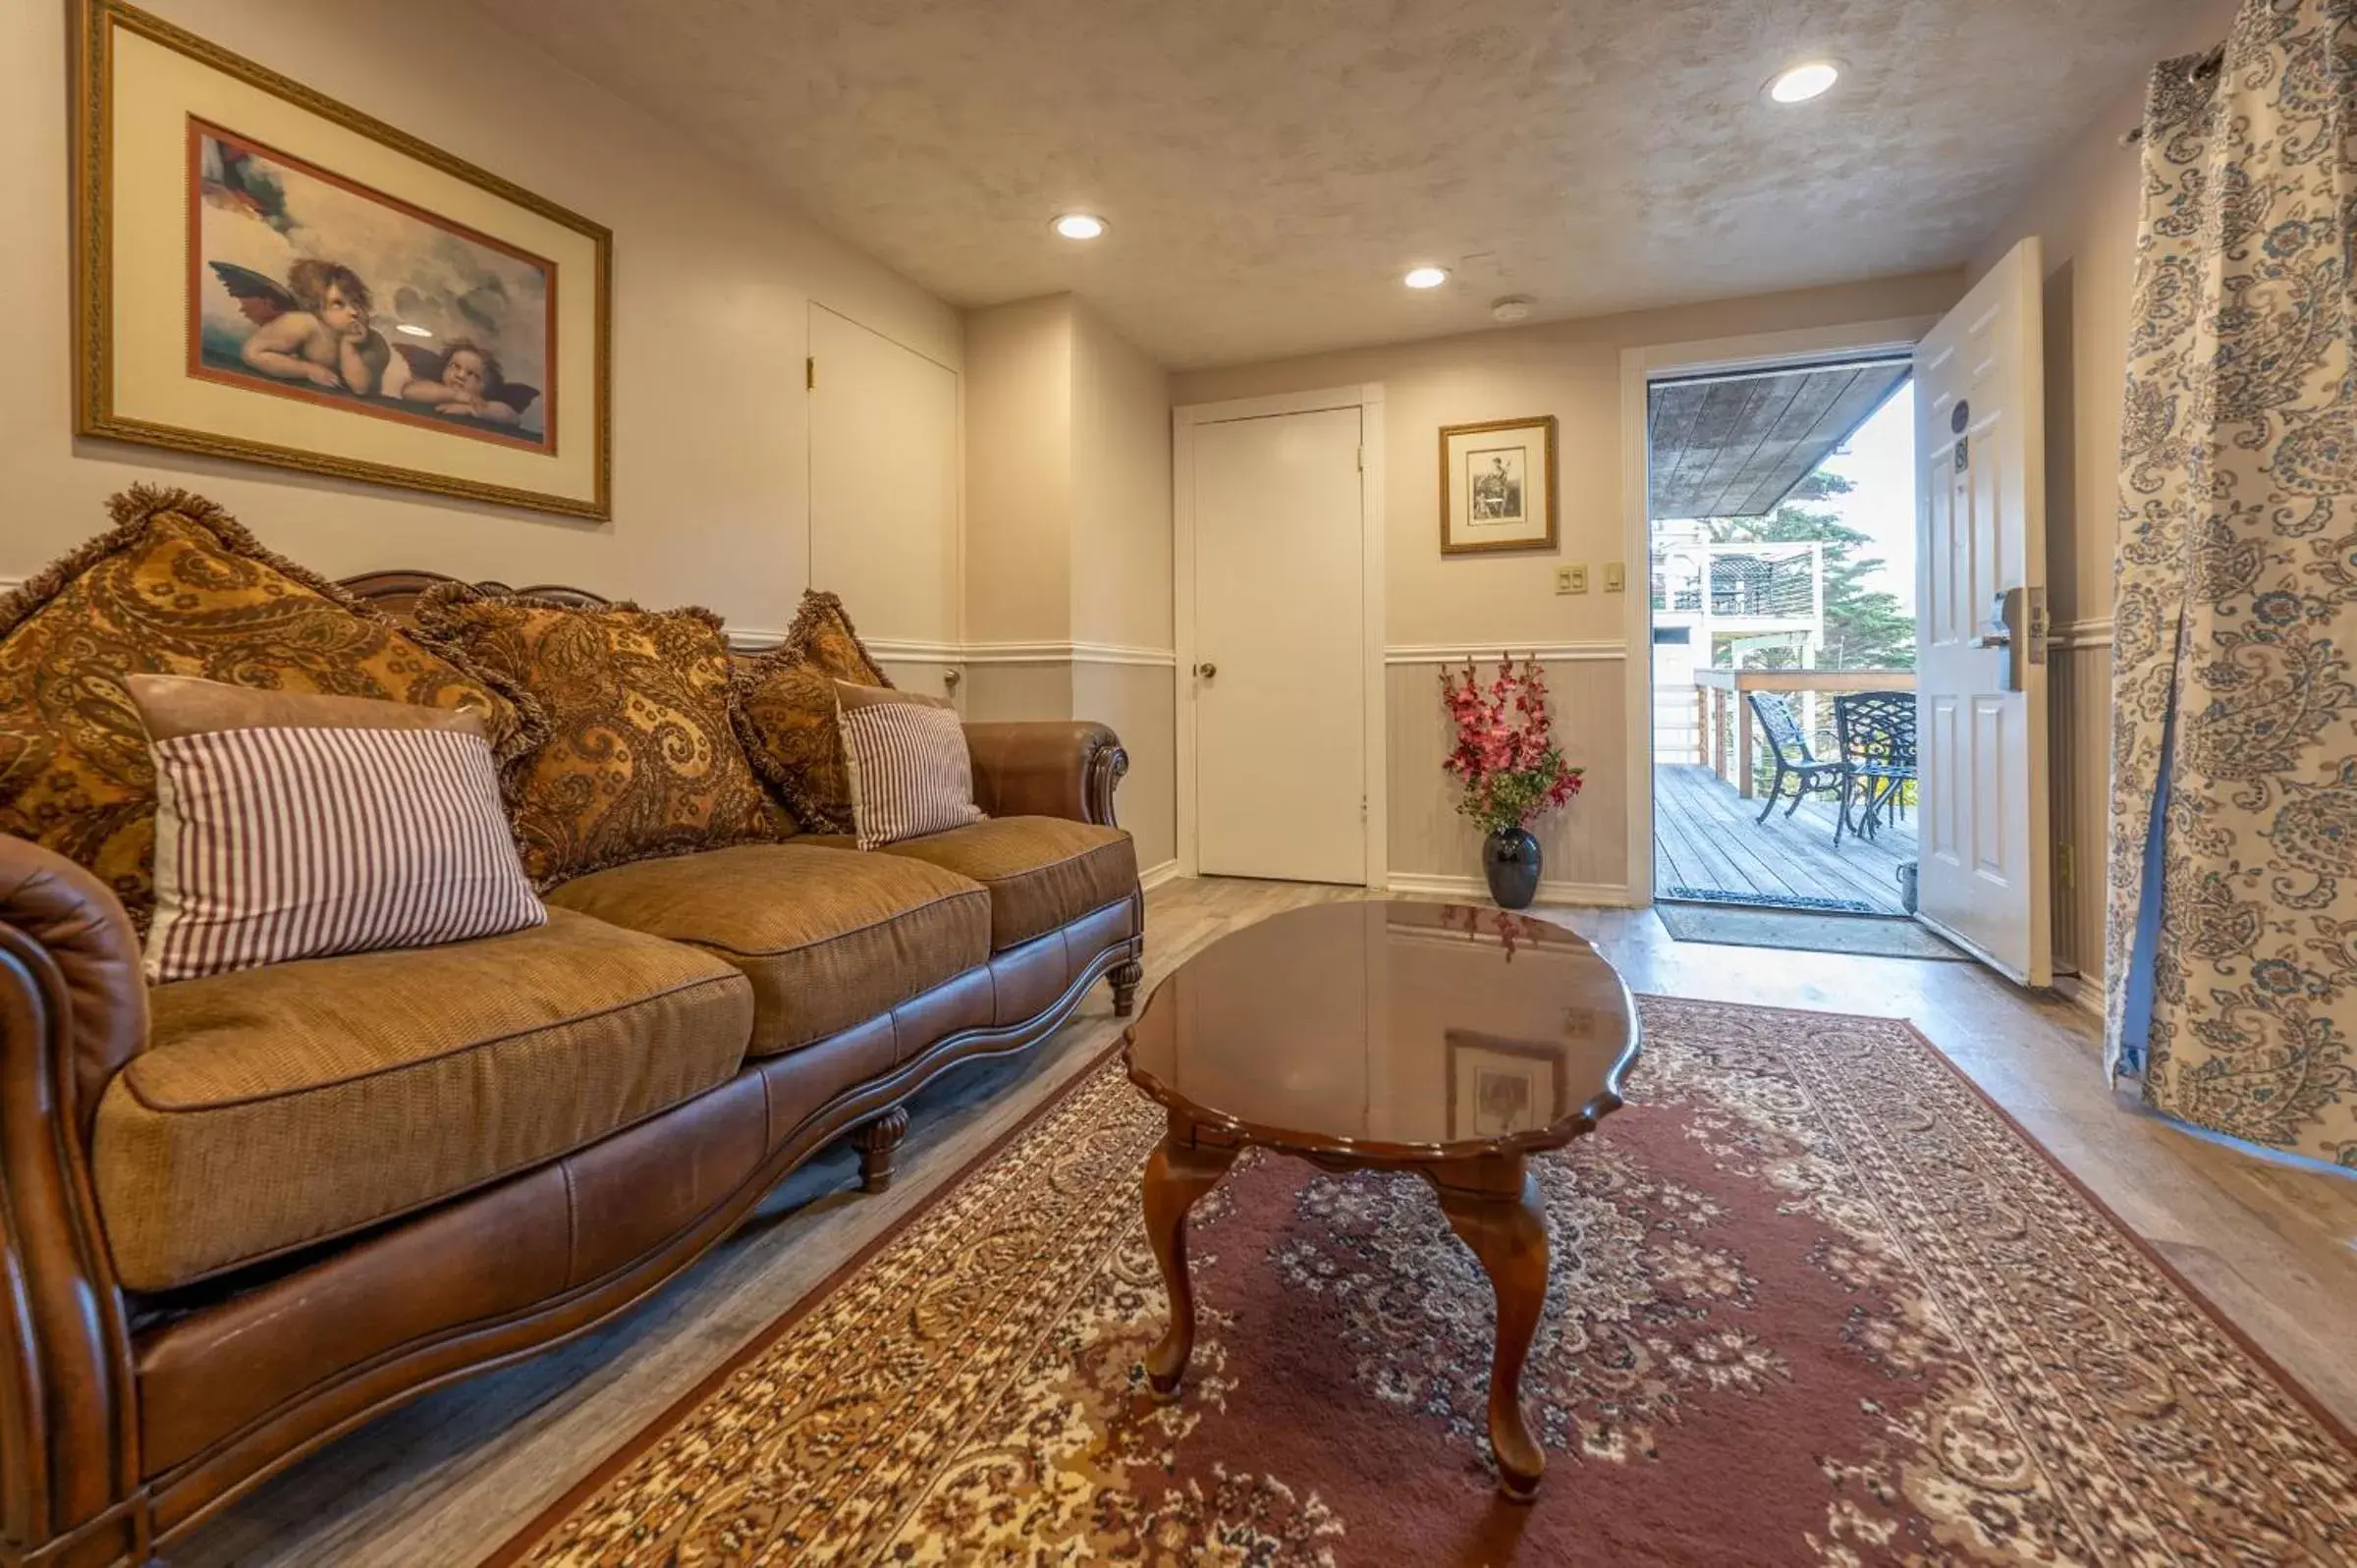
x=1709 y=836
x=449 y=1477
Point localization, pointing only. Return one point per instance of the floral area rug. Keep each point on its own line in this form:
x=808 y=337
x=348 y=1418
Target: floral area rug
x=1814 y=1300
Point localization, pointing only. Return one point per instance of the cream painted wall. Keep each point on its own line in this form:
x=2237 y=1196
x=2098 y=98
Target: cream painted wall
x=1571 y=369
x=2085 y=215
x=1121 y=490
x=1068 y=538
x=1019 y=471
x=712 y=283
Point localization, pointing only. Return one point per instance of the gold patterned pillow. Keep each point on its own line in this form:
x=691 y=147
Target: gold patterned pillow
x=178 y=588
x=785 y=711
x=641 y=761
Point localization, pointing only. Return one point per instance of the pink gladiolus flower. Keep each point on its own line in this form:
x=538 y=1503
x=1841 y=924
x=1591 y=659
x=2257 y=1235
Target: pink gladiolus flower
x=1505 y=756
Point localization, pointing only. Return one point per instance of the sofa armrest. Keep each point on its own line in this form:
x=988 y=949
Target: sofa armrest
x=1050 y=769
x=73 y=1009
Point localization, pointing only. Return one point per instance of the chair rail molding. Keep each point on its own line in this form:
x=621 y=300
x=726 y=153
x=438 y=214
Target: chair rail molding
x=1079 y=653
x=911 y=650
x=2090 y=634
x=1451 y=652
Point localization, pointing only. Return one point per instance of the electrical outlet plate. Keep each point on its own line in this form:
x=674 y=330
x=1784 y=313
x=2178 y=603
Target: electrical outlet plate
x=1616 y=580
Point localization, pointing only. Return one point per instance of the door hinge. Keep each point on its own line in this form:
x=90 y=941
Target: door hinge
x=2067 y=865
x=811 y=372
x=1362 y=459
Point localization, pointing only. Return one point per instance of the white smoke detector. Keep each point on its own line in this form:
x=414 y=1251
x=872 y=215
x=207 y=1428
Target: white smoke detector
x=1511 y=307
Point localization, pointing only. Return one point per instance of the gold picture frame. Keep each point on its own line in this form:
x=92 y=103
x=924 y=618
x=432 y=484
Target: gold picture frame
x=214 y=315
x=1498 y=486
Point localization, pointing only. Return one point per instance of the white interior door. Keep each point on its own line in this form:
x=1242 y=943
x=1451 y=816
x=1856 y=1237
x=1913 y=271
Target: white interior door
x=1278 y=681
x=1980 y=637
x=883 y=481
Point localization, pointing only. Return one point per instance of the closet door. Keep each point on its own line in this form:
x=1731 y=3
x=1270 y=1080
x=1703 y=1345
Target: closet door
x=883 y=482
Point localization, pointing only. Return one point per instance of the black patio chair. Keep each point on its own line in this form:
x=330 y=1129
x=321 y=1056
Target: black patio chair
x=1877 y=733
x=1794 y=759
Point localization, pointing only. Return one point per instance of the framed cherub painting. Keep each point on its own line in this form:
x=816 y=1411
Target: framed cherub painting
x=265 y=274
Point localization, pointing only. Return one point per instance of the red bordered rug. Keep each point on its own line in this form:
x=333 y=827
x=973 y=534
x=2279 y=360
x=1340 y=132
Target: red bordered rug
x=1815 y=1300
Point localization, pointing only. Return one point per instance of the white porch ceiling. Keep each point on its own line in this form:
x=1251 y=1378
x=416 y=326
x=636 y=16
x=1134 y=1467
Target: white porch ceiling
x=1270 y=169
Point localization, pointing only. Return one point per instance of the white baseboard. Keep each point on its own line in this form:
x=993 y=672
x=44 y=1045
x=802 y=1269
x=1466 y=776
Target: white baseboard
x=1594 y=895
x=2087 y=992
x=1154 y=877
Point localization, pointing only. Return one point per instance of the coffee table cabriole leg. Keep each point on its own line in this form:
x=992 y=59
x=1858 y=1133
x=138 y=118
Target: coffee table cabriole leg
x=1180 y=1172
x=1494 y=1207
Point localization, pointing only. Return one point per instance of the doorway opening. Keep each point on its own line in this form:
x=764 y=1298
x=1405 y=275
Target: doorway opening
x=1782 y=528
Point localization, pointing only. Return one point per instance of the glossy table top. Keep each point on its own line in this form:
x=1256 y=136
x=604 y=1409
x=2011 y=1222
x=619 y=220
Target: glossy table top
x=1388 y=1030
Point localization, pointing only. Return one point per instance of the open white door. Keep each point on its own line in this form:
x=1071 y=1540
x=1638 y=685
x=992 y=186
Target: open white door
x=1980 y=622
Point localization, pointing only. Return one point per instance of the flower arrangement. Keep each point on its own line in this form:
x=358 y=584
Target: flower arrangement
x=1506 y=757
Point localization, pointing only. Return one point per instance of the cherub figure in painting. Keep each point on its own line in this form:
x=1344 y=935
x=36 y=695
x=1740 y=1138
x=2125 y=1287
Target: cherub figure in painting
x=464 y=379
x=314 y=328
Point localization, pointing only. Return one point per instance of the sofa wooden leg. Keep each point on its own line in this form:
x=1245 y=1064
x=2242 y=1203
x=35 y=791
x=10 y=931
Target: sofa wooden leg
x=1126 y=977
x=876 y=1140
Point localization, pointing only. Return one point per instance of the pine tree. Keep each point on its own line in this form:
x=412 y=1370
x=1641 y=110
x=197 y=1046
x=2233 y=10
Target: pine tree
x=1865 y=629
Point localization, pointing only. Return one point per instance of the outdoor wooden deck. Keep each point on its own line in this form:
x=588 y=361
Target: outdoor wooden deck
x=1705 y=838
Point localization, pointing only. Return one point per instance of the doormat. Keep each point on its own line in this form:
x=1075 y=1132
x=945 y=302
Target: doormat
x=1815 y=1300
x=1766 y=900
x=1875 y=936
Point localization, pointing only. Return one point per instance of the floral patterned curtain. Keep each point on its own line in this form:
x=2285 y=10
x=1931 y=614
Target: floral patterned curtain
x=2231 y=953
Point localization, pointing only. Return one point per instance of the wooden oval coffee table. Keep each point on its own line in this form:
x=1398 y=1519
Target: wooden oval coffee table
x=1447 y=1040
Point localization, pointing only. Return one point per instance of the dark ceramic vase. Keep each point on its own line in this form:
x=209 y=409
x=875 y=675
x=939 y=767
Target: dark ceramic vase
x=1509 y=858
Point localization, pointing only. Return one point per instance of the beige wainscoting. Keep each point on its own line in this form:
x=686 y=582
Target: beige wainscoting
x=1133 y=690
x=1140 y=702
x=2079 y=705
x=1586 y=845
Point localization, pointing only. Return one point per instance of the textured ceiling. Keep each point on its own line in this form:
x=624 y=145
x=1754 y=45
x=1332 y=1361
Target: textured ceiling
x=1270 y=167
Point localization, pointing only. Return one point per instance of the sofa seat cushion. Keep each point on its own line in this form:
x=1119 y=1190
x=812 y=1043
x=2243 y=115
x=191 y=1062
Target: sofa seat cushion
x=1042 y=871
x=287 y=1104
x=830 y=938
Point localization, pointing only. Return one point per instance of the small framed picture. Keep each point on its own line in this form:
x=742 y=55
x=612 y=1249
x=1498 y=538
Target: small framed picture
x=1498 y=486
x=1498 y=1088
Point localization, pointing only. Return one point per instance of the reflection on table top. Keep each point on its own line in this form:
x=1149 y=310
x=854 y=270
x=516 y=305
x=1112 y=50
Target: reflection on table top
x=1400 y=1029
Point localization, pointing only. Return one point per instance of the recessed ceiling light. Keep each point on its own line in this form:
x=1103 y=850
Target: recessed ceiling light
x=412 y=329
x=1804 y=81
x=1079 y=226
x=1426 y=277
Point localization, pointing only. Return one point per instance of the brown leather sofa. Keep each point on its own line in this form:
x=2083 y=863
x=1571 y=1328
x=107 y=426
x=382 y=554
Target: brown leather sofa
x=243 y=1214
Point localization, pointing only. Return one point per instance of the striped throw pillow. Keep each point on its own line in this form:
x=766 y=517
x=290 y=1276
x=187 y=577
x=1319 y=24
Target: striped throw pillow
x=300 y=826
x=909 y=772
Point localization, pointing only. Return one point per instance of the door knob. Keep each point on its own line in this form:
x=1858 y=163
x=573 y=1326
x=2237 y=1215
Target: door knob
x=1207 y=671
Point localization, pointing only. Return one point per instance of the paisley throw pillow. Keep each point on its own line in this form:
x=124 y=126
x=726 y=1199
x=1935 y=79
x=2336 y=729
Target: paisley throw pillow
x=785 y=711
x=178 y=588
x=641 y=761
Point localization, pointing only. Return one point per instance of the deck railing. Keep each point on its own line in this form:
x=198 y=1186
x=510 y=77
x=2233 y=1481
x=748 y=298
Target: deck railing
x=1741 y=582
x=1728 y=734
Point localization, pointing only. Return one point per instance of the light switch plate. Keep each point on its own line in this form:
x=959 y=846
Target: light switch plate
x=1616 y=580
x=1572 y=579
